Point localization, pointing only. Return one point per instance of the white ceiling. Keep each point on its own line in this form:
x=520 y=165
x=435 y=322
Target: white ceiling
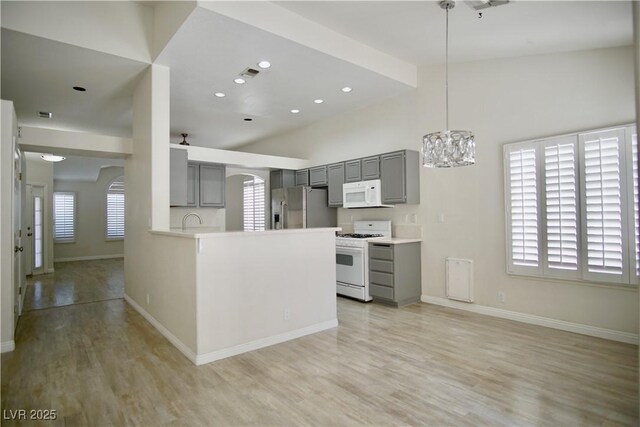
x=210 y=50
x=76 y=168
x=38 y=75
x=414 y=30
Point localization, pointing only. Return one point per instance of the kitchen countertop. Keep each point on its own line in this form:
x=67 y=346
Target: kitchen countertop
x=205 y=232
x=396 y=240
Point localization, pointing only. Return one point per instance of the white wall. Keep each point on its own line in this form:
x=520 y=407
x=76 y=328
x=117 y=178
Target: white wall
x=155 y=266
x=7 y=131
x=239 y=308
x=502 y=101
x=91 y=218
x=40 y=173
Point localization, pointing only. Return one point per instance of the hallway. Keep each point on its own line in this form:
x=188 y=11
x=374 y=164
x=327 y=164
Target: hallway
x=76 y=282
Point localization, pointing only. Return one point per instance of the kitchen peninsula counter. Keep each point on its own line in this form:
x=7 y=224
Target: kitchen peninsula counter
x=216 y=294
x=212 y=232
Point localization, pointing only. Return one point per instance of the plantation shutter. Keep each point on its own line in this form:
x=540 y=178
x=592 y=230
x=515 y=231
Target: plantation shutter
x=64 y=216
x=561 y=202
x=523 y=208
x=253 y=204
x=115 y=209
x=636 y=216
x=602 y=205
x=632 y=197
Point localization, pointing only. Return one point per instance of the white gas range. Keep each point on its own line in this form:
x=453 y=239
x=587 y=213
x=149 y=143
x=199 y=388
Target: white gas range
x=352 y=258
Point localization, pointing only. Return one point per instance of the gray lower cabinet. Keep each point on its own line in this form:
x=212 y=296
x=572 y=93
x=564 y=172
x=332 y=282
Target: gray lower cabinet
x=335 y=179
x=353 y=171
x=371 y=168
x=178 y=165
x=400 y=176
x=212 y=185
x=302 y=177
x=394 y=273
x=193 y=184
x=282 y=178
x=318 y=176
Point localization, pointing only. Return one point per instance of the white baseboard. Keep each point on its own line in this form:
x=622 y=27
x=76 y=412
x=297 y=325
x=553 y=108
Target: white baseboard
x=201 y=359
x=7 y=346
x=88 y=258
x=164 y=331
x=532 y=319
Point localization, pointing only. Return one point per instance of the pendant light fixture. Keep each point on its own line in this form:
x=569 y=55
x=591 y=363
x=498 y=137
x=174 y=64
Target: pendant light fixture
x=448 y=148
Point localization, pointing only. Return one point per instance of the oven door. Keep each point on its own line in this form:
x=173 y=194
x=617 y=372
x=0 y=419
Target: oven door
x=350 y=265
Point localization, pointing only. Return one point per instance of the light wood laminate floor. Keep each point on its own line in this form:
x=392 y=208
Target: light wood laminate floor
x=76 y=282
x=103 y=364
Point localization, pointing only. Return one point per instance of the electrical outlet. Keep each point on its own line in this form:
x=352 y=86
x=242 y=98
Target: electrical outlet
x=502 y=298
x=147 y=299
x=413 y=218
x=441 y=217
x=286 y=314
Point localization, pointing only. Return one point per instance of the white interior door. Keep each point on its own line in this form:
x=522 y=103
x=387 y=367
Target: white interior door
x=18 y=265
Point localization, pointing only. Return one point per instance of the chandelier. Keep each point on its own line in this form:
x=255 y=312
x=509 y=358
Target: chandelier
x=448 y=148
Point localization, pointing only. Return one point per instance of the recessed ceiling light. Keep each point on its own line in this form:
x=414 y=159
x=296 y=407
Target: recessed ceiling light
x=295 y=111
x=220 y=94
x=52 y=158
x=240 y=81
x=318 y=101
x=346 y=89
x=79 y=89
x=264 y=64
x=45 y=114
x=248 y=119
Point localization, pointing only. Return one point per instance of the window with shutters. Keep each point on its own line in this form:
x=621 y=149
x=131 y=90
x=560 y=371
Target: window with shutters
x=115 y=209
x=572 y=207
x=64 y=217
x=253 y=208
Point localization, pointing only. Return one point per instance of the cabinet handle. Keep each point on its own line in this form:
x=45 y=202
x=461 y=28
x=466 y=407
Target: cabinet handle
x=382 y=245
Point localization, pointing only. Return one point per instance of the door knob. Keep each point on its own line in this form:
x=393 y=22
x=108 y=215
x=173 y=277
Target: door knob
x=16 y=249
x=29 y=234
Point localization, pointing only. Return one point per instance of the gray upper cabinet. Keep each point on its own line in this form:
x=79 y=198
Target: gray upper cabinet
x=371 y=168
x=212 y=184
x=353 y=171
x=282 y=178
x=400 y=175
x=318 y=176
x=302 y=177
x=178 y=177
x=193 y=184
x=335 y=180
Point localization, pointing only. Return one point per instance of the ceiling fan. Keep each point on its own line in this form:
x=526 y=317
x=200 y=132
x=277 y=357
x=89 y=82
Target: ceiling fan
x=485 y=4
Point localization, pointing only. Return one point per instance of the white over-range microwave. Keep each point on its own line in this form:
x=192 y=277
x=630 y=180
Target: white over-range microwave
x=363 y=194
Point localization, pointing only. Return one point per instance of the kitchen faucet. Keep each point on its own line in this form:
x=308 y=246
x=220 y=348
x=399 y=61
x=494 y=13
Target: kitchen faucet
x=184 y=219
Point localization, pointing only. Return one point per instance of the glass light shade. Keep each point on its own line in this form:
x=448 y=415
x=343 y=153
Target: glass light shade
x=52 y=158
x=448 y=148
